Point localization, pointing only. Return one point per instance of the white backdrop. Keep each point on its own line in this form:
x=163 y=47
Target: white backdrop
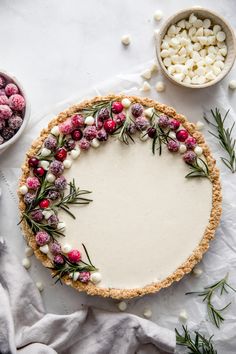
x=63 y=51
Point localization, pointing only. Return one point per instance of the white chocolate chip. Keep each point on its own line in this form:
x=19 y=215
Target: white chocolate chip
x=67 y=163
x=148 y=112
x=183 y=316
x=40 y=286
x=143 y=136
x=29 y=251
x=23 y=189
x=147 y=313
x=198 y=150
x=145 y=87
x=220 y=36
x=126 y=39
x=96 y=277
x=147 y=74
x=192 y=19
x=216 y=29
x=197 y=272
x=232 y=84
x=66 y=248
x=95 y=143
x=45 y=152
x=55 y=130
x=89 y=120
x=160 y=86
x=76 y=276
x=44 y=249
x=126 y=102
x=172 y=135
x=44 y=164
x=158 y=15
x=181 y=24
x=75 y=153
x=26 y=263
x=182 y=148
x=154 y=68
x=206 y=23
x=122 y=306
x=199 y=125
x=50 y=177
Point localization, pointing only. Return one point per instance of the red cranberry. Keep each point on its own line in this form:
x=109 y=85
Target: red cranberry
x=174 y=124
x=61 y=154
x=44 y=204
x=110 y=126
x=151 y=132
x=182 y=135
x=117 y=107
x=77 y=134
x=33 y=162
x=74 y=256
x=39 y=171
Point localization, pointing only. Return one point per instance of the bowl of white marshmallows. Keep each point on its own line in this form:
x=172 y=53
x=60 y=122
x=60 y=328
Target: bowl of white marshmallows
x=196 y=48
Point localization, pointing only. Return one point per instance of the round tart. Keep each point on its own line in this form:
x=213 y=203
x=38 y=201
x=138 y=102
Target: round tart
x=119 y=196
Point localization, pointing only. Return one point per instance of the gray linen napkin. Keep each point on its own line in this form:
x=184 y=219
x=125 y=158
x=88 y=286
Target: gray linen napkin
x=26 y=328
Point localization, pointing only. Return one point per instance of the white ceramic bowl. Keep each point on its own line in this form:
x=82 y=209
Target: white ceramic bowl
x=215 y=19
x=11 y=141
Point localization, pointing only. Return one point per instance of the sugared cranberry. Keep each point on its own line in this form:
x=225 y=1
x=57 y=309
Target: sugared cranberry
x=56 y=168
x=174 y=124
x=37 y=215
x=55 y=248
x=74 y=256
x=104 y=114
x=11 y=89
x=1 y=140
x=173 y=145
x=110 y=126
x=61 y=154
x=190 y=142
x=32 y=182
x=39 y=171
x=42 y=238
x=137 y=110
x=120 y=118
x=77 y=120
x=182 y=135
x=17 y=102
x=5 y=111
x=33 y=162
x=189 y=157
x=152 y=132
x=58 y=259
x=90 y=132
x=84 y=277
x=15 y=122
x=99 y=124
x=70 y=144
x=53 y=195
x=4 y=100
x=7 y=133
x=50 y=142
x=77 y=134
x=102 y=135
x=163 y=121
x=2 y=123
x=84 y=144
x=66 y=127
x=141 y=123
x=44 y=204
x=117 y=107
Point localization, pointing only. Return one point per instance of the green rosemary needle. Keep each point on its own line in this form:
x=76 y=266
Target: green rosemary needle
x=197 y=345
x=198 y=169
x=225 y=138
x=207 y=293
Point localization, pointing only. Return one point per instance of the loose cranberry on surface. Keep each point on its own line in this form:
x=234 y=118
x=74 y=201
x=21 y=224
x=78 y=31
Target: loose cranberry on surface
x=11 y=89
x=74 y=256
x=151 y=132
x=110 y=126
x=182 y=135
x=33 y=162
x=44 y=204
x=117 y=107
x=77 y=134
x=61 y=154
x=17 y=102
x=39 y=171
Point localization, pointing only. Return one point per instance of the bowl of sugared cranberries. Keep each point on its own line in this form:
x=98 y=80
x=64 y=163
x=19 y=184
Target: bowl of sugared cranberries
x=14 y=110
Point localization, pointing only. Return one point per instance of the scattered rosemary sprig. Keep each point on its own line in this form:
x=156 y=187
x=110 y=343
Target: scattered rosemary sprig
x=197 y=345
x=214 y=314
x=72 y=198
x=69 y=267
x=198 y=170
x=225 y=138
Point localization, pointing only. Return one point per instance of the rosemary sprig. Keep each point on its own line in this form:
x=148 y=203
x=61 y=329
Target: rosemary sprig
x=95 y=109
x=72 y=198
x=225 y=138
x=197 y=345
x=69 y=267
x=198 y=169
x=214 y=314
x=124 y=131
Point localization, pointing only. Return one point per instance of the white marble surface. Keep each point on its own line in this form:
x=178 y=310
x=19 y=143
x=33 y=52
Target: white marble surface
x=62 y=49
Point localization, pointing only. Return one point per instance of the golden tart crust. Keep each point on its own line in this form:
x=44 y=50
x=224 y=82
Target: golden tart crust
x=196 y=255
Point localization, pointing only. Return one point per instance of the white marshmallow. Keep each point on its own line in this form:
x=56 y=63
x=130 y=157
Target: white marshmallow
x=61 y=225
x=172 y=135
x=147 y=313
x=148 y=112
x=39 y=285
x=158 y=15
x=95 y=143
x=182 y=148
x=126 y=102
x=23 y=189
x=232 y=84
x=29 y=251
x=44 y=249
x=143 y=136
x=67 y=163
x=66 y=248
x=126 y=39
x=76 y=276
x=50 y=178
x=89 y=120
x=122 y=306
x=75 y=153
x=26 y=263
x=47 y=213
x=96 y=277
x=45 y=152
x=198 y=150
x=55 y=130
x=44 y=164
x=145 y=87
x=179 y=77
x=160 y=86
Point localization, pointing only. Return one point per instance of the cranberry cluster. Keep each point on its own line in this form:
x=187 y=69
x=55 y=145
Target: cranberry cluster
x=12 y=107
